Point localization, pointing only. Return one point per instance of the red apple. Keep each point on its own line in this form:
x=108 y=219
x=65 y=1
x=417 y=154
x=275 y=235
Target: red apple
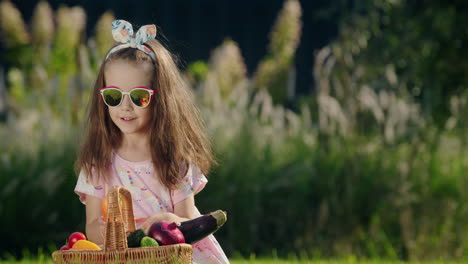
x=75 y=237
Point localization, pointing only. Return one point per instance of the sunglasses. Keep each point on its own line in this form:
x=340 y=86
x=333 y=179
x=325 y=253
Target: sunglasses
x=140 y=96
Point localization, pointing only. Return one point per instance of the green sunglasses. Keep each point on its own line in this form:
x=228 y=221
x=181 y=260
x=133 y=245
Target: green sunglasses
x=140 y=96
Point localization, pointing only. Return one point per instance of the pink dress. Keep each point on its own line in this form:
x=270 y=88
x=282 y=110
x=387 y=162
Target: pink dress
x=151 y=197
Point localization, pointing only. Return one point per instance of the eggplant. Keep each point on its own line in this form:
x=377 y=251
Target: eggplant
x=198 y=228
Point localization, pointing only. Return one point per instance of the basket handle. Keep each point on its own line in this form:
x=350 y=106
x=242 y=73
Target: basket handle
x=120 y=219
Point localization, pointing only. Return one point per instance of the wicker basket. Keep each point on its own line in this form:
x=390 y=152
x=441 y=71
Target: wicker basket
x=121 y=223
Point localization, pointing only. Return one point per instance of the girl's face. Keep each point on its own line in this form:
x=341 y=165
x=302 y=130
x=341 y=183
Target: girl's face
x=130 y=119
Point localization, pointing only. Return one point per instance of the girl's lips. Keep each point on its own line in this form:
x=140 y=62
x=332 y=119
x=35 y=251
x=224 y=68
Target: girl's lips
x=127 y=120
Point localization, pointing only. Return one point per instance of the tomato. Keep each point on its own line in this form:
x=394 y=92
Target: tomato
x=65 y=247
x=75 y=237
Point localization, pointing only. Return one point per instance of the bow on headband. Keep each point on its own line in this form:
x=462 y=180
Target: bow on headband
x=122 y=31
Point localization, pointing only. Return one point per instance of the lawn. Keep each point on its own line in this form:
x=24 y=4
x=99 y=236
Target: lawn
x=265 y=261
x=43 y=258
x=342 y=261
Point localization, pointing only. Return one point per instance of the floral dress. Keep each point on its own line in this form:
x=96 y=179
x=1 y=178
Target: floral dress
x=151 y=197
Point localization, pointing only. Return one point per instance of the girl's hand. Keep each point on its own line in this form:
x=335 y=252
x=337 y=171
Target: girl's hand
x=102 y=225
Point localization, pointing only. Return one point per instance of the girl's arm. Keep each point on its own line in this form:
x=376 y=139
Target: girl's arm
x=94 y=222
x=186 y=208
x=183 y=211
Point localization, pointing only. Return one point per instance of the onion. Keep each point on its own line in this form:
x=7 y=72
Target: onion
x=166 y=233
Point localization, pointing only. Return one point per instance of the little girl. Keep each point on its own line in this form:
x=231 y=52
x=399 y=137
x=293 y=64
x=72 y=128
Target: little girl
x=144 y=133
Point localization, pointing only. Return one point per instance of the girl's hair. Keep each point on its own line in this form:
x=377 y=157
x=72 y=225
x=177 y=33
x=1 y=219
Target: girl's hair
x=177 y=132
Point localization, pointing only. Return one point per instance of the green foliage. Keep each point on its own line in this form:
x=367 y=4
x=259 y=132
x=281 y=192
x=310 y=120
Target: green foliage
x=52 y=70
x=104 y=39
x=38 y=203
x=16 y=84
x=420 y=41
x=226 y=68
x=197 y=71
x=42 y=30
x=365 y=96
x=273 y=71
x=12 y=26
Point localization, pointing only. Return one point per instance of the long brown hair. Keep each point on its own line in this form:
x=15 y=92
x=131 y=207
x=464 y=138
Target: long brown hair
x=177 y=132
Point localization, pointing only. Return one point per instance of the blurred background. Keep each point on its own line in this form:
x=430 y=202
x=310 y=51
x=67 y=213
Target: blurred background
x=338 y=125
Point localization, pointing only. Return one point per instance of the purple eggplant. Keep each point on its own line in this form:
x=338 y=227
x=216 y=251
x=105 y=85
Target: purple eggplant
x=198 y=228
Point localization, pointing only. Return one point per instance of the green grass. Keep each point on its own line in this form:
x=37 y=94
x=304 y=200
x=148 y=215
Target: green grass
x=45 y=258
x=42 y=256
x=265 y=261
x=276 y=261
x=347 y=260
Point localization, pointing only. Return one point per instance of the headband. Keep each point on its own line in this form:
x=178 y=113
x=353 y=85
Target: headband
x=122 y=31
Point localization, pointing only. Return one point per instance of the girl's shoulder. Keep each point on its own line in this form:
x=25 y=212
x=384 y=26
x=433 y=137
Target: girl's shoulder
x=192 y=182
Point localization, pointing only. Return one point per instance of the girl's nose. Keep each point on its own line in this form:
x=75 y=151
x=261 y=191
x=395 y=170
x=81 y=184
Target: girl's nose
x=126 y=103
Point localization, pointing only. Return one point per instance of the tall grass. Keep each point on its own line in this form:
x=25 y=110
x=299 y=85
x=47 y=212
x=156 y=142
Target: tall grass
x=358 y=171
